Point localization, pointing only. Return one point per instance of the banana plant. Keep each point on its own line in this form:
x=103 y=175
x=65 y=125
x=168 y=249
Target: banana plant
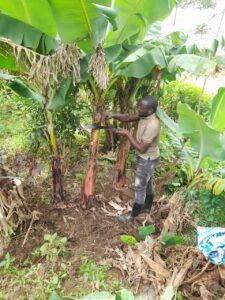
x=47 y=82
x=120 y=45
x=218 y=110
x=206 y=141
x=89 y=24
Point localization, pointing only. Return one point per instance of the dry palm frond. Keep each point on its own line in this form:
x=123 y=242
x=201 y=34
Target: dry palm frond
x=98 y=68
x=13 y=209
x=46 y=71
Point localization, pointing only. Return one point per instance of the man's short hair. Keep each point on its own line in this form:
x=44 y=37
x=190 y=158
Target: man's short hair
x=151 y=102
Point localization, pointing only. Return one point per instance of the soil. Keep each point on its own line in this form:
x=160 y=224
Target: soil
x=89 y=232
x=93 y=233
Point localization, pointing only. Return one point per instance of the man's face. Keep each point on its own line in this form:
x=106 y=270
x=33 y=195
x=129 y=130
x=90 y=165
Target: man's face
x=144 y=110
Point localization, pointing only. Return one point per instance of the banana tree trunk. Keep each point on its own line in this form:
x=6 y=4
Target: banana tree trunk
x=58 y=194
x=121 y=162
x=88 y=188
x=88 y=193
x=126 y=94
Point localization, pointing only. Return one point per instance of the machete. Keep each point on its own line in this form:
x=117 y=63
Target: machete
x=95 y=126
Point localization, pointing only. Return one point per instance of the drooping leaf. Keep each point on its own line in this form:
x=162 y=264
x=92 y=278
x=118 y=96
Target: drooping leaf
x=143 y=65
x=194 y=64
x=21 y=88
x=24 y=91
x=35 y=13
x=218 y=110
x=26 y=35
x=133 y=16
x=205 y=140
x=171 y=124
x=59 y=98
x=7 y=77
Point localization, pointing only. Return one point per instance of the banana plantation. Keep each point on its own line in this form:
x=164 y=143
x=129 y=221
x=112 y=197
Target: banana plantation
x=112 y=149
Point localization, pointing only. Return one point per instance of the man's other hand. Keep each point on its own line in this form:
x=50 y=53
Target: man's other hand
x=122 y=132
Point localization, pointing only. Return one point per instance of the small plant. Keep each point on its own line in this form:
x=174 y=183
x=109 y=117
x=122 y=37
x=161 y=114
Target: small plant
x=128 y=240
x=52 y=248
x=122 y=295
x=7 y=263
x=94 y=273
x=171 y=239
x=207 y=208
x=145 y=231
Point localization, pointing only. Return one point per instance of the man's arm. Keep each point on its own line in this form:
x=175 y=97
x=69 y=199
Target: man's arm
x=123 y=117
x=141 y=147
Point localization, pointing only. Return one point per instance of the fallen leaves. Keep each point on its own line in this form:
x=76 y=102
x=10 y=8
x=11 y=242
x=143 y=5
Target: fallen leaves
x=13 y=209
x=172 y=269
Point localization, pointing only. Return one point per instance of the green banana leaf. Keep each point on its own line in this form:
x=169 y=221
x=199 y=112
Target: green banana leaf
x=136 y=16
x=59 y=99
x=143 y=65
x=218 y=110
x=206 y=141
x=79 y=20
x=21 y=88
x=86 y=22
x=7 y=61
x=171 y=124
x=26 y=35
x=73 y=20
x=185 y=153
x=35 y=13
x=194 y=64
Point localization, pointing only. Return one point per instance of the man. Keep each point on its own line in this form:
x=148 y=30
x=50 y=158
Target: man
x=146 y=143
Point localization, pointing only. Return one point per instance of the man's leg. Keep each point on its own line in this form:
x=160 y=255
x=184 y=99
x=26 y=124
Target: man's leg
x=144 y=171
x=149 y=196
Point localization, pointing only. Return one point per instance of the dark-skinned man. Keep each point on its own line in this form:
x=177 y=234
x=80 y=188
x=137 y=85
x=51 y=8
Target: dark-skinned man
x=146 y=143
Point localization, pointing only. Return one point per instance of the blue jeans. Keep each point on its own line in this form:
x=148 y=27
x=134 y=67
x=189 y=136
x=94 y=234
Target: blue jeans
x=143 y=180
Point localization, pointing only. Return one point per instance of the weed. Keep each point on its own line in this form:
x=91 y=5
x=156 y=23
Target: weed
x=128 y=239
x=52 y=248
x=170 y=239
x=205 y=207
x=7 y=263
x=94 y=273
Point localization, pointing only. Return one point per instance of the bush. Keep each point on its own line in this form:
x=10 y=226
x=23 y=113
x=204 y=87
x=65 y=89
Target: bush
x=207 y=209
x=176 y=92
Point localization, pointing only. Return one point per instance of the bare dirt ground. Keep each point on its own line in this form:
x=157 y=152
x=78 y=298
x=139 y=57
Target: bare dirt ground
x=96 y=234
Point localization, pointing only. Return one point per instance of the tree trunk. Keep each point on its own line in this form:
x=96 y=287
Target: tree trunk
x=88 y=193
x=121 y=162
x=88 y=188
x=58 y=194
x=126 y=94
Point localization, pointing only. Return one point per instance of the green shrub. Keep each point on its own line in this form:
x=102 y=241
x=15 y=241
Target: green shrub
x=206 y=208
x=176 y=92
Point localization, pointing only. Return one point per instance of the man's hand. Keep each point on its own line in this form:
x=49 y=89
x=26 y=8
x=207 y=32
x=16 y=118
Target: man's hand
x=122 y=132
x=107 y=115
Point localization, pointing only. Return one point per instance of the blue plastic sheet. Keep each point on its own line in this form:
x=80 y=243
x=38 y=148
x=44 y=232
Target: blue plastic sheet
x=211 y=242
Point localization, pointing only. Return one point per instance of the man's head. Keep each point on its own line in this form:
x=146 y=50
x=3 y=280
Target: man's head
x=147 y=106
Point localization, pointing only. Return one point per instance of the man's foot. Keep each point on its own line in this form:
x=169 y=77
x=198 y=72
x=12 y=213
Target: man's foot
x=131 y=215
x=126 y=218
x=148 y=204
x=145 y=209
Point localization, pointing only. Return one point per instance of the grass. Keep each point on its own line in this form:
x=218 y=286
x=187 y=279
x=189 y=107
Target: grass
x=46 y=270
x=12 y=121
